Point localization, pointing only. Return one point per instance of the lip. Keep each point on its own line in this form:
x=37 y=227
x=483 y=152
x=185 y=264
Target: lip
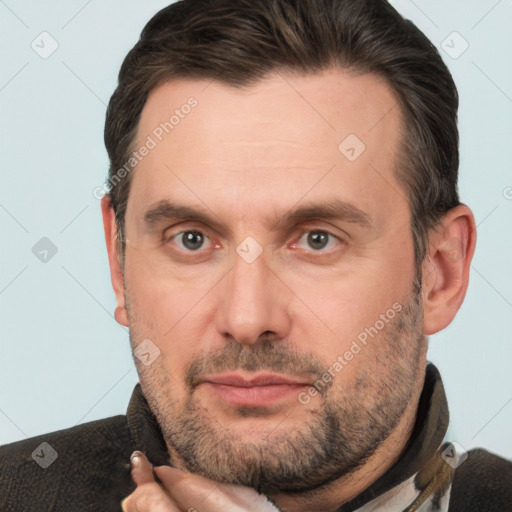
x=253 y=390
x=251 y=380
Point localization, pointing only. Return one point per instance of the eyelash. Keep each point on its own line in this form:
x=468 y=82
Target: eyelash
x=306 y=232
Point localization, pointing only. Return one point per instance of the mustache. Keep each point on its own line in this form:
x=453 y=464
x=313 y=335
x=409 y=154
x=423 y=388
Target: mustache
x=269 y=356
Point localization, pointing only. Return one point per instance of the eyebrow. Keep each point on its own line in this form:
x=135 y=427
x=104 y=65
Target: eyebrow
x=334 y=209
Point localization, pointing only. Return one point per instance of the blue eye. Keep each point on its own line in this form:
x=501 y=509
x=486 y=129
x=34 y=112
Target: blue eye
x=190 y=240
x=317 y=240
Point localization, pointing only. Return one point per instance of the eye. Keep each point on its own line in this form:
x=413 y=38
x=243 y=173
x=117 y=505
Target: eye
x=190 y=241
x=317 y=240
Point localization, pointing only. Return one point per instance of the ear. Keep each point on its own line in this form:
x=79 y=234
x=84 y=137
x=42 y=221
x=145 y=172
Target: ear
x=116 y=274
x=446 y=268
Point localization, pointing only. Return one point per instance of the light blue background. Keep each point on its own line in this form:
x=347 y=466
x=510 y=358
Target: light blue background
x=63 y=358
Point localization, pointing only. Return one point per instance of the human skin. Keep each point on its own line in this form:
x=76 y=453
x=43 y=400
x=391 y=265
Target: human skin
x=247 y=157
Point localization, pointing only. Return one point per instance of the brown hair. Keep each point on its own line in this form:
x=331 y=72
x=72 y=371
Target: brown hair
x=238 y=42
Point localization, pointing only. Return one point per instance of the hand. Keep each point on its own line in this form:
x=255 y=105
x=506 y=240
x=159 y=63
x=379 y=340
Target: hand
x=178 y=491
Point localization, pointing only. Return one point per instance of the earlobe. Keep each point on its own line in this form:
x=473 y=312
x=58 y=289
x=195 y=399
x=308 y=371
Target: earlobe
x=116 y=273
x=121 y=316
x=446 y=268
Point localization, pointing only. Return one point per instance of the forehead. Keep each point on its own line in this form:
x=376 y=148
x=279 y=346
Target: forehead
x=285 y=136
x=327 y=105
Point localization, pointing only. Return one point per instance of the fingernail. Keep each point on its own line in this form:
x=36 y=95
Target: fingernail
x=123 y=505
x=135 y=458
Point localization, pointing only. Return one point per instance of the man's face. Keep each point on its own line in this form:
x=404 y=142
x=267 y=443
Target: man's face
x=251 y=305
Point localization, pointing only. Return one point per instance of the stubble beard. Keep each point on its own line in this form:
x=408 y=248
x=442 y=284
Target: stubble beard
x=340 y=436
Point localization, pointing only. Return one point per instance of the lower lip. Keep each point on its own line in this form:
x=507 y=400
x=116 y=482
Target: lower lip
x=255 y=396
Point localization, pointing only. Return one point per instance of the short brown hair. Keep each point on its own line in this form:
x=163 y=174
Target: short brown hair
x=239 y=42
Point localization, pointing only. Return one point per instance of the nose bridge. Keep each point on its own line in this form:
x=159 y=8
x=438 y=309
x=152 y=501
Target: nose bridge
x=251 y=301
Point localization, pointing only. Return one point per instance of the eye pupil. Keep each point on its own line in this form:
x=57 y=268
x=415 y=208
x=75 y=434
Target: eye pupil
x=192 y=239
x=317 y=239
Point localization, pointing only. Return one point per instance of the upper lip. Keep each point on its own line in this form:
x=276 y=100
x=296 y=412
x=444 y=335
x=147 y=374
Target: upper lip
x=247 y=381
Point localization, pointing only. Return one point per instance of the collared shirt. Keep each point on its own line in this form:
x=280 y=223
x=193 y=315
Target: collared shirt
x=86 y=468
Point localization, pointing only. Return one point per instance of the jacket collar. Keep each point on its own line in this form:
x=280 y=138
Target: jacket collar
x=145 y=430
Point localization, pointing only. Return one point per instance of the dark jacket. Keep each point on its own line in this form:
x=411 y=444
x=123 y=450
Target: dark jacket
x=86 y=468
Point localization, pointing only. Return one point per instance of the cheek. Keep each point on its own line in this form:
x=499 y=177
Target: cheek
x=349 y=312
x=171 y=312
x=161 y=295
x=343 y=305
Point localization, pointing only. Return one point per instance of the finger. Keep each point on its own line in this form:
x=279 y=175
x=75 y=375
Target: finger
x=149 y=497
x=187 y=489
x=195 y=492
x=141 y=469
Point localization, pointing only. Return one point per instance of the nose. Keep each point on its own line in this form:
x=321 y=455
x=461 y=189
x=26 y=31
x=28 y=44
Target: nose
x=253 y=303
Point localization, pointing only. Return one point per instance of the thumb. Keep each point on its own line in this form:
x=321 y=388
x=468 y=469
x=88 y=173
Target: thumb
x=141 y=469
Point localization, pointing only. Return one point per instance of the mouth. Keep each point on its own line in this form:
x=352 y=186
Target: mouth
x=253 y=390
